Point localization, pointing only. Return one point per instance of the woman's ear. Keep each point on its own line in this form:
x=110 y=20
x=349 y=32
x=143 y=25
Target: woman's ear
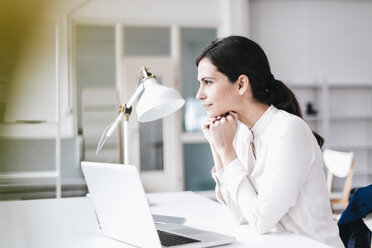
x=243 y=84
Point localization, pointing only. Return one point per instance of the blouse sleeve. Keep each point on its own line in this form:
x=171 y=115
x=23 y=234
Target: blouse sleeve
x=289 y=160
x=226 y=201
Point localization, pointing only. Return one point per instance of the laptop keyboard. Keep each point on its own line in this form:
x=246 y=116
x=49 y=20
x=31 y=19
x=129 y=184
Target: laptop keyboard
x=170 y=239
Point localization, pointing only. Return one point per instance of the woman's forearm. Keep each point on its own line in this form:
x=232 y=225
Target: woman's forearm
x=216 y=158
x=227 y=156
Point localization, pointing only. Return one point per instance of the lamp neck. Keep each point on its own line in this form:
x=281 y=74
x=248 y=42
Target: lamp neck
x=126 y=111
x=145 y=74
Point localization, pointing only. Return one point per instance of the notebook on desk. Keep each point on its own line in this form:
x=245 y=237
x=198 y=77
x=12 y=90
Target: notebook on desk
x=123 y=212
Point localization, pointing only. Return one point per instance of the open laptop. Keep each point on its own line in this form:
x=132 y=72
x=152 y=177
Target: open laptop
x=123 y=212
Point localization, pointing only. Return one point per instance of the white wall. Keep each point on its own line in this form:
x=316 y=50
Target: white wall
x=151 y=11
x=231 y=16
x=315 y=40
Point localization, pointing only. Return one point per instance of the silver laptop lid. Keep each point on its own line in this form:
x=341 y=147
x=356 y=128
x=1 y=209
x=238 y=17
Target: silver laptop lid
x=120 y=203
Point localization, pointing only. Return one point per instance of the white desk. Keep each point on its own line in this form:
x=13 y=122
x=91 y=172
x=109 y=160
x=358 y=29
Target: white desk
x=70 y=222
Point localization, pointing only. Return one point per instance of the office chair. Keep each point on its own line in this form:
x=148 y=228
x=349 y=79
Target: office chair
x=339 y=164
x=368 y=222
x=355 y=223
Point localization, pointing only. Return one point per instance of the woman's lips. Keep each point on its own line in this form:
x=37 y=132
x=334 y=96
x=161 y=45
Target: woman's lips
x=206 y=106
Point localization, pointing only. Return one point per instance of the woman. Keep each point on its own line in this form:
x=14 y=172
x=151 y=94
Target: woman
x=268 y=163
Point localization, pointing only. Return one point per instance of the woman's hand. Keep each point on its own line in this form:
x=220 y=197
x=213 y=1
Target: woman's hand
x=222 y=133
x=206 y=131
x=205 y=128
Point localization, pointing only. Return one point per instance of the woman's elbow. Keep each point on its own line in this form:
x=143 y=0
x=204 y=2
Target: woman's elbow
x=262 y=229
x=262 y=226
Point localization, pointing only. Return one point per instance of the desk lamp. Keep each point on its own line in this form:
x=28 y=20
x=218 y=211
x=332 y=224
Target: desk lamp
x=155 y=102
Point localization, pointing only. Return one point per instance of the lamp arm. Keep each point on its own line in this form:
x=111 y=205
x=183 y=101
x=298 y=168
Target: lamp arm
x=135 y=95
x=128 y=106
x=126 y=142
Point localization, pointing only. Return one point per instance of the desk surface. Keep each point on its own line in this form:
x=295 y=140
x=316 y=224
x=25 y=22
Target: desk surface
x=70 y=222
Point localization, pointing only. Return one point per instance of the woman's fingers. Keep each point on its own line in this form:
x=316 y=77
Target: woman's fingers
x=233 y=114
x=207 y=122
x=215 y=121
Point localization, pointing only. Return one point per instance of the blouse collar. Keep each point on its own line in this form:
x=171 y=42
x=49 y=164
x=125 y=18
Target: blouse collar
x=264 y=120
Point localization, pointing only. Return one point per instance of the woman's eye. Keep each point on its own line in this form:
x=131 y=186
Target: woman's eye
x=207 y=82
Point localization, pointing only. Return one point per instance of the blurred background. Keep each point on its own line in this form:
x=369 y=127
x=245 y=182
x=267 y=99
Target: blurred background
x=65 y=66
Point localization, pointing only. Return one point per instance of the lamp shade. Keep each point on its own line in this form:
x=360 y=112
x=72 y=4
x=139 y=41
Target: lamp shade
x=157 y=101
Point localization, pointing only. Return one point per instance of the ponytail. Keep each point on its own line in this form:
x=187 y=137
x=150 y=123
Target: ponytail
x=237 y=55
x=283 y=98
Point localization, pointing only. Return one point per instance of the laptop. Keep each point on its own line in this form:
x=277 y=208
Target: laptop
x=123 y=211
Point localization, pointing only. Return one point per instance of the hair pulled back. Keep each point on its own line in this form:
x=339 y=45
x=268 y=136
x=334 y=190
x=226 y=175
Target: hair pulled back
x=237 y=55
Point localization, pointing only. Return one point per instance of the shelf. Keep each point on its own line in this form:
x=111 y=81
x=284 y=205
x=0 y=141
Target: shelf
x=313 y=118
x=351 y=147
x=304 y=85
x=193 y=138
x=28 y=175
x=350 y=117
x=350 y=86
x=362 y=172
x=15 y=130
x=4 y=137
x=29 y=122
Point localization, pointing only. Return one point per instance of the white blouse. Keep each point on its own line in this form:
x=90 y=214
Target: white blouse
x=281 y=186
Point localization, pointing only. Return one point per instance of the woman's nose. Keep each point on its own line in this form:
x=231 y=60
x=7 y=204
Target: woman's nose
x=200 y=95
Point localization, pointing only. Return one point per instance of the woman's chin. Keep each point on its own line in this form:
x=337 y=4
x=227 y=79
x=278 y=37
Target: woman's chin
x=212 y=114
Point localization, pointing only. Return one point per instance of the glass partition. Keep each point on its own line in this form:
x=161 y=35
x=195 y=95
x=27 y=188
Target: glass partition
x=199 y=163
x=147 y=41
x=198 y=160
x=193 y=41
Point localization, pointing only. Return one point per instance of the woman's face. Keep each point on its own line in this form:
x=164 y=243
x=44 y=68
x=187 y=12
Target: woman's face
x=216 y=92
